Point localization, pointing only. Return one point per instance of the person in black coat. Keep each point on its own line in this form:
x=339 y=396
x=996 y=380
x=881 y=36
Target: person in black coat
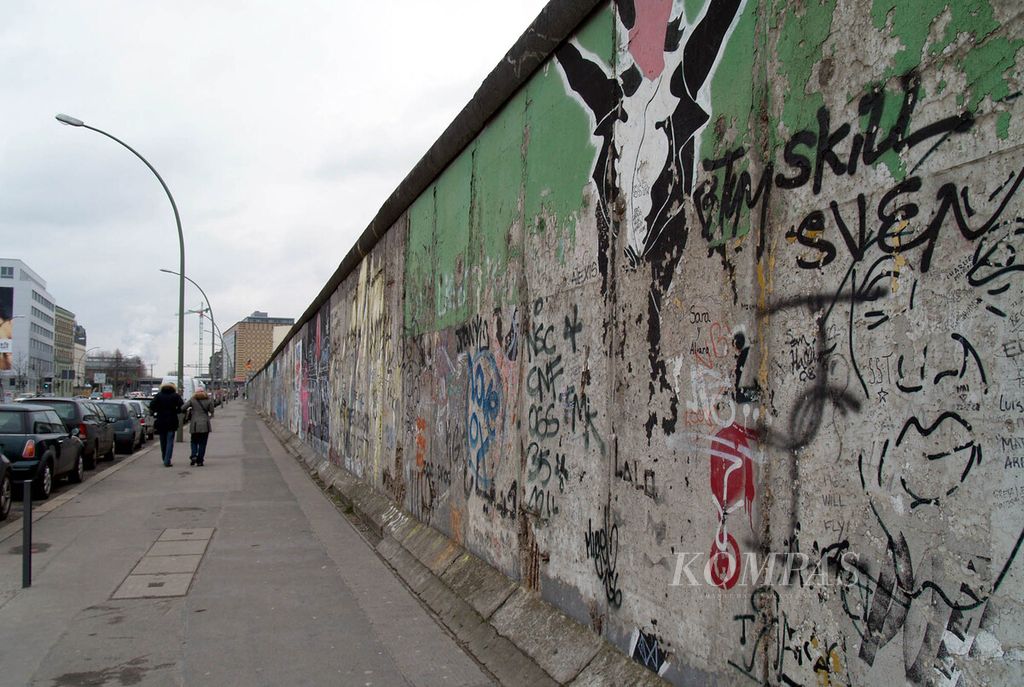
x=165 y=406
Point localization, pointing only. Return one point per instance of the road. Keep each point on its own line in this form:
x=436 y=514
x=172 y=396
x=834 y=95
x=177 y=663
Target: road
x=266 y=582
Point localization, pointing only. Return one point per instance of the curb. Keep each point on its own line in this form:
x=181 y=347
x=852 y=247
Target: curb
x=517 y=636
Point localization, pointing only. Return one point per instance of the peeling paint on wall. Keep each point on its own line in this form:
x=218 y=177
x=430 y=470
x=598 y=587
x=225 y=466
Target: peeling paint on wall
x=714 y=337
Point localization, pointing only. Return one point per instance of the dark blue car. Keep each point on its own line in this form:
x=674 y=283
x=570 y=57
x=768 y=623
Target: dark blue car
x=128 y=432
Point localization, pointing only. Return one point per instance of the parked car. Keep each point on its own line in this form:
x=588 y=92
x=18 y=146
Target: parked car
x=39 y=447
x=145 y=418
x=94 y=431
x=127 y=428
x=6 y=487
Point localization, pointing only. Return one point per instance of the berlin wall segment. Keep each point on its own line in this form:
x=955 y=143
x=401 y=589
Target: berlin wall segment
x=712 y=337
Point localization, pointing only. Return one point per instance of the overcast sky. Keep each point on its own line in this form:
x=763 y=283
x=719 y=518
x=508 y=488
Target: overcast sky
x=280 y=128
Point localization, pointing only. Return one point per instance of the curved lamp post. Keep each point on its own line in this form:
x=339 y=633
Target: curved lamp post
x=72 y=121
x=212 y=321
x=82 y=358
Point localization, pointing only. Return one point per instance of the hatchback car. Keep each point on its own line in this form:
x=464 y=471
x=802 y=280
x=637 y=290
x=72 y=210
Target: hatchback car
x=127 y=428
x=94 y=431
x=146 y=418
x=39 y=447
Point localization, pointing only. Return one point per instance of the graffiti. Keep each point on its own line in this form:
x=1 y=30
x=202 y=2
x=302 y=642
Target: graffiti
x=732 y=453
x=810 y=304
x=646 y=650
x=483 y=415
x=558 y=411
x=630 y=473
x=667 y=65
x=794 y=657
x=473 y=335
x=603 y=549
x=581 y=275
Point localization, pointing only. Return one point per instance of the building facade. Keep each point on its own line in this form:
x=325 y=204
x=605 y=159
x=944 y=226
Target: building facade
x=63 y=352
x=250 y=342
x=29 y=341
x=120 y=372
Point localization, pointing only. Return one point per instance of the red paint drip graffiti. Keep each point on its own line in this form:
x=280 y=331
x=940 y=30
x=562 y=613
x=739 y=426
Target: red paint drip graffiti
x=732 y=485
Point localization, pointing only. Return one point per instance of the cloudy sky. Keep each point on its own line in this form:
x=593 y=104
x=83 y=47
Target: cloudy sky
x=280 y=128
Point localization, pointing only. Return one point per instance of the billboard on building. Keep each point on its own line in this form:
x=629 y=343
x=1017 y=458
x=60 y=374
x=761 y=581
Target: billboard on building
x=6 y=328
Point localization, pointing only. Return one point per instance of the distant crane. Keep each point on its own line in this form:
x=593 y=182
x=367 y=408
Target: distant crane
x=203 y=309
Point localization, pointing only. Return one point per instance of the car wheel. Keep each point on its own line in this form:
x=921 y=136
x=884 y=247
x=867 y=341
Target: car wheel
x=77 y=473
x=6 y=496
x=42 y=487
x=109 y=455
x=90 y=461
x=129 y=448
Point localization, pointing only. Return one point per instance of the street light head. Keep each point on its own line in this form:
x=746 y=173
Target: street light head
x=169 y=271
x=69 y=120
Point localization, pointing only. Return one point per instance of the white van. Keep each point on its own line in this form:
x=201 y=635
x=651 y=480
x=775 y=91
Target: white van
x=187 y=389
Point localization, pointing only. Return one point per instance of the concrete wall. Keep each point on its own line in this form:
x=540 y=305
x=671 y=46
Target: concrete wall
x=723 y=285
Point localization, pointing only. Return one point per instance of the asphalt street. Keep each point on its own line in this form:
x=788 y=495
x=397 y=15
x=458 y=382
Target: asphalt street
x=240 y=572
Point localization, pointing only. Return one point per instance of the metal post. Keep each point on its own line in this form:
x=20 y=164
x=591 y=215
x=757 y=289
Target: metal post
x=26 y=536
x=73 y=121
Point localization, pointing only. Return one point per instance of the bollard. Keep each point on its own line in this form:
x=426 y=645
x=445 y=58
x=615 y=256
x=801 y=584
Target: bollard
x=26 y=536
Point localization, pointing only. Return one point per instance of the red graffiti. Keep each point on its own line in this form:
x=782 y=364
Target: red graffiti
x=733 y=487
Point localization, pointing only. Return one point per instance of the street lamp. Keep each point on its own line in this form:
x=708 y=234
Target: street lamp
x=212 y=321
x=80 y=358
x=72 y=121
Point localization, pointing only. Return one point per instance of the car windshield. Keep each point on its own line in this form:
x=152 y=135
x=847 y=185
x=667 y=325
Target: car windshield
x=10 y=422
x=115 y=410
x=65 y=409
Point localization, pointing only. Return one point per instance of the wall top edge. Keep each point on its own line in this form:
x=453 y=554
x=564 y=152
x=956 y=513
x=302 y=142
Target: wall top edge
x=555 y=23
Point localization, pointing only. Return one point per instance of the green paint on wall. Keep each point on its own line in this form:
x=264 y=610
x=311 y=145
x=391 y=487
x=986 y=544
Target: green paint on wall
x=598 y=34
x=890 y=113
x=451 y=241
x=693 y=9
x=497 y=187
x=560 y=148
x=419 y=265
x=732 y=88
x=985 y=67
x=984 y=64
x=1003 y=125
x=804 y=30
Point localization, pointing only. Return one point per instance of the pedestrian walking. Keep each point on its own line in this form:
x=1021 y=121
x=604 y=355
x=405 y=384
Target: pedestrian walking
x=199 y=411
x=165 y=406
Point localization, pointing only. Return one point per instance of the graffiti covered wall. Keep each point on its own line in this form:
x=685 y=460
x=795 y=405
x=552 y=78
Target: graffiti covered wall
x=712 y=336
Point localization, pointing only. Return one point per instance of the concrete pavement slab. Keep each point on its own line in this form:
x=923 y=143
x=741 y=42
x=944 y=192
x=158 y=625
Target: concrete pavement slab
x=153 y=586
x=560 y=645
x=611 y=668
x=181 y=534
x=483 y=587
x=152 y=565
x=178 y=548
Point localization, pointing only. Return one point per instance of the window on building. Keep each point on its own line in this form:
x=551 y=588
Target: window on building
x=6 y=273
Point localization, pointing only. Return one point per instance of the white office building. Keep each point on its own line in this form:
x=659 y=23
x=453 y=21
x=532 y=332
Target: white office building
x=24 y=298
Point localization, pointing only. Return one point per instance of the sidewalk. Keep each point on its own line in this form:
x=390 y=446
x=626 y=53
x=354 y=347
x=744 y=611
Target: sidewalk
x=278 y=588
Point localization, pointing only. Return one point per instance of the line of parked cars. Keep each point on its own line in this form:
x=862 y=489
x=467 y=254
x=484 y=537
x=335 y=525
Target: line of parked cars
x=44 y=439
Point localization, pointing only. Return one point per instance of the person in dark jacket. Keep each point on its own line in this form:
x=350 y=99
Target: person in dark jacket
x=165 y=406
x=198 y=411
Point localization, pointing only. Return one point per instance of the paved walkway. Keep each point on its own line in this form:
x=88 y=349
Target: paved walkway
x=264 y=582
